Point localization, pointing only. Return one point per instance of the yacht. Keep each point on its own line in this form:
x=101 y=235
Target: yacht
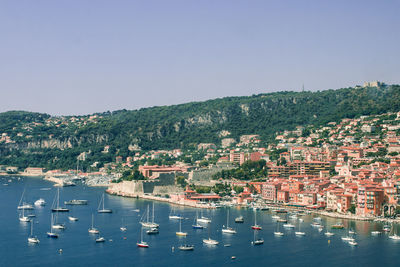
x=58 y=225
x=338 y=226
x=51 y=234
x=353 y=243
x=93 y=230
x=227 y=229
x=186 y=247
x=327 y=233
x=123 y=229
x=40 y=202
x=147 y=223
x=288 y=225
x=71 y=218
x=375 y=233
x=24 y=218
x=394 y=237
x=210 y=241
x=31 y=238
x=152 y=231
x=277 y=232
x=24 y=205
x=299 y=232
x=76 y=202
x=58 y=208
x=103 y=210
x=239 y=219
x=347 y=238
x=174 y=216
x=203 y=219
x=257 y=241
x=100 y=239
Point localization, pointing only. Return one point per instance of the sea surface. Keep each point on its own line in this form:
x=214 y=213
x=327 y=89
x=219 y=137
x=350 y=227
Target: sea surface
x=80 y=249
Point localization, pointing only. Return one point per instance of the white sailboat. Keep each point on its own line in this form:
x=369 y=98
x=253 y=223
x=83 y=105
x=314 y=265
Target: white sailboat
x=227 y=229
x=50 y=233
x=123 y=227
x=57 y=200
x=174 y=216
x=327 y=233
x=57 y=225
x=24 y=205
x=394 y=236
x=32 y=238
x=257 y=241
x=203 y=219
x=180 y=233
x=147 y=223
x=277 y=232
x=103 y=210
x=93 y=230
x=299 y=232
x=72 y=218
x=210 y=241
x=24 y=218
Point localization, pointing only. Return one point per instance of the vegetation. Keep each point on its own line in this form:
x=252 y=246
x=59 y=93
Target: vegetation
x=249 y=170
x=180 y=126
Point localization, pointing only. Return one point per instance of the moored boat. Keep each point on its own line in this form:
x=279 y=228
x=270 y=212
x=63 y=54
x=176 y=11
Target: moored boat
x=100 y=239
x=71 y=218
x=227 y=229
x=152 y=231
x=103 y=210
x=92 y=229
x=31 y=238
x=239 y=219
x=40 y=202
x=338 y=226
x=186 y=247
x=76 y=202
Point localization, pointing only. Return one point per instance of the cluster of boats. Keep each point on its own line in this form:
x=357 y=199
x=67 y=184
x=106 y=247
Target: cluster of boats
x=149 y=226
x=56 y=209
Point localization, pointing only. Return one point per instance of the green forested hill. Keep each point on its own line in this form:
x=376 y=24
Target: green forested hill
x=179 y=126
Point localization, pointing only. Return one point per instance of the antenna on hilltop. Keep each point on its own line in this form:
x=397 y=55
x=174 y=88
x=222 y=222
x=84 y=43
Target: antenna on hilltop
x=302 y=88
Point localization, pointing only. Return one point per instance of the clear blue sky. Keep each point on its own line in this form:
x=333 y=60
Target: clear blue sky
x=81 y=56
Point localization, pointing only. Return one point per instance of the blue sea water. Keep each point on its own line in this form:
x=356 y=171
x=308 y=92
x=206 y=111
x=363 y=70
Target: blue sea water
x=80 y=249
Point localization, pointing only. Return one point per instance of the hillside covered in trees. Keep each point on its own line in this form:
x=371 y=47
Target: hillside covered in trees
x=55 y=142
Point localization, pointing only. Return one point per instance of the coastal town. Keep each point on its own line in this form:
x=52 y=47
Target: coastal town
x=349 y=169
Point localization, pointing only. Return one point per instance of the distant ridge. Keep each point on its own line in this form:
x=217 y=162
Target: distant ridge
x=181 y=126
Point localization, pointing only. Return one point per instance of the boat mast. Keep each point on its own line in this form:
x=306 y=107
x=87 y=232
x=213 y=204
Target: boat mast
x=148 y=212
x=58 y=198
x=152 y=220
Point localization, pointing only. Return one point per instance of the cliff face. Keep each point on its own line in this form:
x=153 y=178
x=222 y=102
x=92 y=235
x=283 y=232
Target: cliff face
x=57 y=143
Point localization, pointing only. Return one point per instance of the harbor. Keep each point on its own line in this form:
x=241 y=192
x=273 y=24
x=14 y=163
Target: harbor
x=77 y=244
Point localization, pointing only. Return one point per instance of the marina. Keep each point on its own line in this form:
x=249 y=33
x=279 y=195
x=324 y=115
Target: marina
x=246 y=245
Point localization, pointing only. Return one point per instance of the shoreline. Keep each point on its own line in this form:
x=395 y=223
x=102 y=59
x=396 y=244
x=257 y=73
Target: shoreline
x=268 y=205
